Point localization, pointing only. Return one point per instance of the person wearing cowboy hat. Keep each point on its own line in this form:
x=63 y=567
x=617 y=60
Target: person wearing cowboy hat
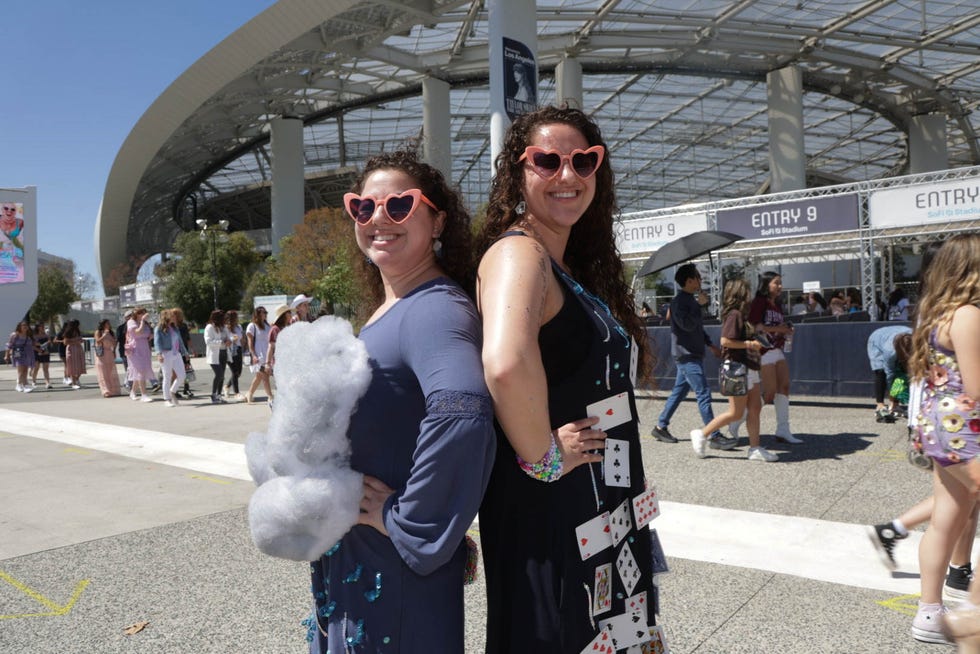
x=300 y=306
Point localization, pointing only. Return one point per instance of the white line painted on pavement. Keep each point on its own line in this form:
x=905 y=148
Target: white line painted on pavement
x=189 y=452
x=834 y=552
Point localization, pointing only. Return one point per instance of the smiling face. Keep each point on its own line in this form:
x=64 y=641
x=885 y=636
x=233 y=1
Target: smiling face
x=397 y=248
x=560 y=201
x=775 y=286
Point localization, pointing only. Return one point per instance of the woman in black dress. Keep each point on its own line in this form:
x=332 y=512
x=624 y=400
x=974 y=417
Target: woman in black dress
x=563 y=527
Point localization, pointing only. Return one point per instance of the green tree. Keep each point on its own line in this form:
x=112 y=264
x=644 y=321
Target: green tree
x=189 y=273
x=318 y=258
x=54 y=295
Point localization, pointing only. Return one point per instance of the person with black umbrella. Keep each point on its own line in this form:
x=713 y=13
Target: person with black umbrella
x=688 y=341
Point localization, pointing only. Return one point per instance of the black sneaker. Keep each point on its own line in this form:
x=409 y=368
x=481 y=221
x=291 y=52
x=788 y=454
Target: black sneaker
x=958 y=581
x=884 y=415
x=662 y=435
x=883 y=538
x=719 y=442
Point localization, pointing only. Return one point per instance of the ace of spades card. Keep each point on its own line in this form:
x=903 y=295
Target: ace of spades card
x=620 y=522
x=616 y=463
x=629 y=571
x=627 y=629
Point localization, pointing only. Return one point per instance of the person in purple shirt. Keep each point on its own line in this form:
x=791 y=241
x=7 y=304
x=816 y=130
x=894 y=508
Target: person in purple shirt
x=422 y=434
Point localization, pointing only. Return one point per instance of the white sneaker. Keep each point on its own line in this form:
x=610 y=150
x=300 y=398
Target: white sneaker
x=19 y=388
x=133 y=396
x=171 y=403
x=146 y=398
x=66 y=381
x=761 y=454
x=787 y=437
x=699 y=442
x=75 y=386
x=926 y=624
x=28 y=389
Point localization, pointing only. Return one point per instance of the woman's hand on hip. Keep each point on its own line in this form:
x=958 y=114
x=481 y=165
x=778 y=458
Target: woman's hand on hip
x=578 y=443
x=375 y=494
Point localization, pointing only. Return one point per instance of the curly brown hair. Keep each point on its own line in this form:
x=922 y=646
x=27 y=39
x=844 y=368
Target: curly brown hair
x=456 y=256
x=951 y=281
x=590 y=253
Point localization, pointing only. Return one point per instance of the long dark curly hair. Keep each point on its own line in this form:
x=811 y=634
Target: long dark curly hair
x=456 y=256
x=590 y=253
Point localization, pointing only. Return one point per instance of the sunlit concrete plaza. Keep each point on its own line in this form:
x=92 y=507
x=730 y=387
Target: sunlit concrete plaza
x=116 y=513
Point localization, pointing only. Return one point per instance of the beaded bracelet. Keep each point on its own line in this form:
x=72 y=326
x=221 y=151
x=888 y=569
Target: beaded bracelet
x=548 y=469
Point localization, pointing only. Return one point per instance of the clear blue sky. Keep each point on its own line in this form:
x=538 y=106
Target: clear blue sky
x=76 y=77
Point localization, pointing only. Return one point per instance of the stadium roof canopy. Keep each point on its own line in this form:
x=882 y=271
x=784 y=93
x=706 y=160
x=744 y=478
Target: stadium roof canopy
x=678 y=87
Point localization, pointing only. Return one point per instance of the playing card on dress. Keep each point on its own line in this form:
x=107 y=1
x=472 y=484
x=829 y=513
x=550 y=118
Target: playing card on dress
x=620 y=522
x=629 y=571
x=637 y=604
x=593 y=536
x=612 y=411
x=601 y=644
x=616 y=463
x=656 y=645
x=627 y=629
x=602 y=599
x=646 y=507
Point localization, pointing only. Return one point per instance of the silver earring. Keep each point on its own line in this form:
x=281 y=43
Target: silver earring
x=520 y=208
x=437 y=246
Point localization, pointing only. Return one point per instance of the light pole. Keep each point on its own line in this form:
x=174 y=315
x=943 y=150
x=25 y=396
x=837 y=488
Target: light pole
x=212 y=232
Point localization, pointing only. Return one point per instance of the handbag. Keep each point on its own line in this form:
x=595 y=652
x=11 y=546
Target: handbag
x=733 y=378
x=99 y=350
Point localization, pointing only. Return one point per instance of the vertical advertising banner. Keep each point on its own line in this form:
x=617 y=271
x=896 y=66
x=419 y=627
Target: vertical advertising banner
x=12 y=236
x=520 y=79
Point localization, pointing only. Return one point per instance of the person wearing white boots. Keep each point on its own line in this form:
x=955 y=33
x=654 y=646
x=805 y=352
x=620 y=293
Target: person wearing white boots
x=766 y=316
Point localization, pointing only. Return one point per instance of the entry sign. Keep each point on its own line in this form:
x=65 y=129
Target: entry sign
x=834 y=213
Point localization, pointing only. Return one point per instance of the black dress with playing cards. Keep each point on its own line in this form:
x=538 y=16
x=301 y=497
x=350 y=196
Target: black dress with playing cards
x=542 y=596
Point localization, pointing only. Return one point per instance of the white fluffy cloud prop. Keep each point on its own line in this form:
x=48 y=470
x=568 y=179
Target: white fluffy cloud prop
x=307 y=496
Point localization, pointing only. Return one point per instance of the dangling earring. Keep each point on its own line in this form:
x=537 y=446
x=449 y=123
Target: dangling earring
x=520 y=208
x=437 y=246
x=368 y=261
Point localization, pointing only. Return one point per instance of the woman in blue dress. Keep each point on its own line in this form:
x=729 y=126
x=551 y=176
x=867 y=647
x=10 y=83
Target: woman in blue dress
x=559 y=329
x=422 y=434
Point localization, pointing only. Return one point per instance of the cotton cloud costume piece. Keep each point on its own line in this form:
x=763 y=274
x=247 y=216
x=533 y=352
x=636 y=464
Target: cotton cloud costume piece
x=307 y=496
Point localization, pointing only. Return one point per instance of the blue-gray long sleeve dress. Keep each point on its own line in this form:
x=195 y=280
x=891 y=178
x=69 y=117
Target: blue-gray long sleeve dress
x=425 y=428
